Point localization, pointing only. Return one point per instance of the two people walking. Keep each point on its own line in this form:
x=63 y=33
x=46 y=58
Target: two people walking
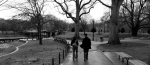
x=86 y=45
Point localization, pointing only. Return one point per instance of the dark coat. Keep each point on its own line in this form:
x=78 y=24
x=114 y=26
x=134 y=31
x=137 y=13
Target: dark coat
x=86 y=43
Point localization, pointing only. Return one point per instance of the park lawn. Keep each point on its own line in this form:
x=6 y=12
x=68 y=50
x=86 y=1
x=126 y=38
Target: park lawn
x=34 y=54
x=11 y=48
x=127 y=35
x=137 y=50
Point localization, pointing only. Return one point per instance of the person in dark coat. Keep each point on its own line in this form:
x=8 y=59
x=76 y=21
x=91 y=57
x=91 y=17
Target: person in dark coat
x=86 y=45
x=74 y=44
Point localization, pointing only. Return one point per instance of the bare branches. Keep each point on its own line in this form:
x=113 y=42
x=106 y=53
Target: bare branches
x=126 y=21
x=81 y=2
x=68 y=15
x=86 y=12
x=84 y=3
x=2 y=2
x=104 y=4
x=30 y=8
x=136 y=12
x=82 y=7
x=89 y=8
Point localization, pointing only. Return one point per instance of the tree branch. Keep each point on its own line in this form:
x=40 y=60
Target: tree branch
x=86 y=12
x=69 y=15
x=129 y=24
x=2 y=2
x=125 y=6
x=104 y=4
x=85 y=4
x=90 y=7
x=81 y=2
x=141 y=6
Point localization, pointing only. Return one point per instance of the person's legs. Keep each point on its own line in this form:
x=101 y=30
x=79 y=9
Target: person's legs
x=87 y=53
x=76 y=50
x=73 y=53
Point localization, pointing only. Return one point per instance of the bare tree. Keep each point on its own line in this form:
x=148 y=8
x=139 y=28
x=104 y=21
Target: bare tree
x=84 y=25
x=82 y=7
x=115 y=6
x=105 y=20
x=135 y=14
x=33 y=10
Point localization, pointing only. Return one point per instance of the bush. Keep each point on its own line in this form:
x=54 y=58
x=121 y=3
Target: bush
x=148 y=31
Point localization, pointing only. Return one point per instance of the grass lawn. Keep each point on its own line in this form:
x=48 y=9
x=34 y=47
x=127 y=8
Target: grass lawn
x=126 y=35
x=137 y=50
x=97 y=36
x=69 y=35
x=34 y=54
x=11 y=47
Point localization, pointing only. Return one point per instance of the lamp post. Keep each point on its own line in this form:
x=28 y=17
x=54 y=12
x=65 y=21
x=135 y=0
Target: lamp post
x=93 y=30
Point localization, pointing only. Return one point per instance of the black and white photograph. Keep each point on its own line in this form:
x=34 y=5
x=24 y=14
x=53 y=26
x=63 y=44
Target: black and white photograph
x=74 y=32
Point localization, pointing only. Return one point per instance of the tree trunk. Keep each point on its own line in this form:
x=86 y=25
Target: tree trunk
x=84 y=31
x=93 y=36
x=134 y=32
x=104 y=28
x=77 y=19
x=113 y=35
x=39 y=31
x=77 y=30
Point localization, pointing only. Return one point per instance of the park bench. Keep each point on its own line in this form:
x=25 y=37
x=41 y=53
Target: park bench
x=137 y=62
x=123 y=56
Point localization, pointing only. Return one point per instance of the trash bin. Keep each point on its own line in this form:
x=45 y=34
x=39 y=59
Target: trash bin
x=101 y=39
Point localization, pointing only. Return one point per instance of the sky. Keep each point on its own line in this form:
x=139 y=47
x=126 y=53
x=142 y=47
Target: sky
x=96 y=13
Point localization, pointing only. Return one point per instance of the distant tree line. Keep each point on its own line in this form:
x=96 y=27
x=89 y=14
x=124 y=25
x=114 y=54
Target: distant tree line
x=18 y=26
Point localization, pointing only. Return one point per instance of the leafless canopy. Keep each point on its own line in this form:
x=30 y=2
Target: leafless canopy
x=82 y=7
x=30 y=8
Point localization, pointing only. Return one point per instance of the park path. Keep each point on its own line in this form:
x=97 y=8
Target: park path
x=17 y=48
x=96 y=57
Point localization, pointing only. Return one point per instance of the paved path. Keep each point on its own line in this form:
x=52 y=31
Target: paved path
x=95 y=57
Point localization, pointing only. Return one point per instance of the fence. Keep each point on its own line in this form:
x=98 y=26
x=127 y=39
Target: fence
x=61 y=55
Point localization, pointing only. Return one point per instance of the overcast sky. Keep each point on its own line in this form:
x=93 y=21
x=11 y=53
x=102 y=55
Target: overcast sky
x=96 y=13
